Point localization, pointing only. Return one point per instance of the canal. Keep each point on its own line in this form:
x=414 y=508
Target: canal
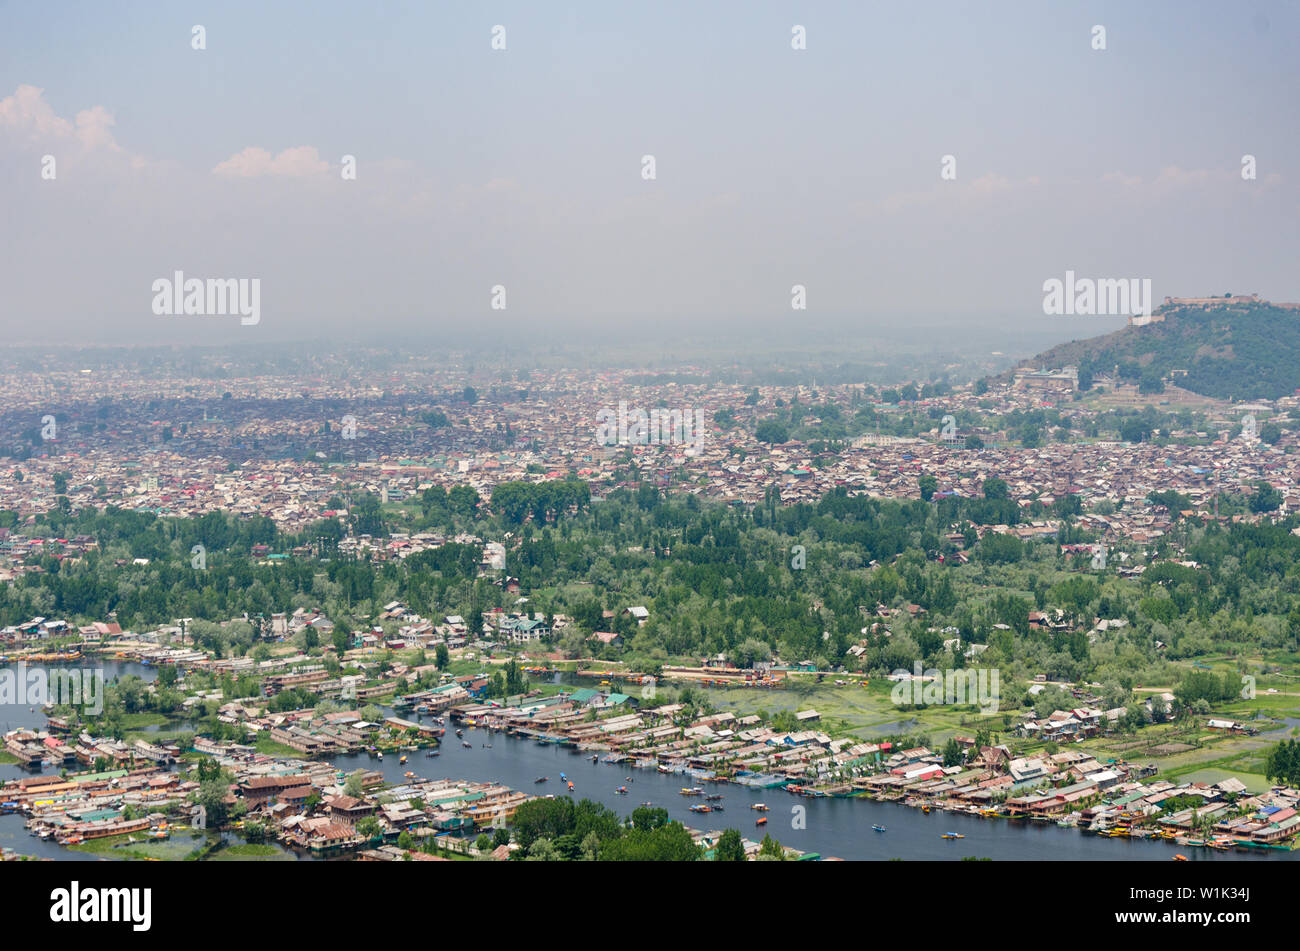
x=840 y=828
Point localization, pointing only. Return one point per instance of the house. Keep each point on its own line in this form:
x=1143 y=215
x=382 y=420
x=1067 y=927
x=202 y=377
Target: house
x=1225 y=726
x=348 y=811
x=606 y=637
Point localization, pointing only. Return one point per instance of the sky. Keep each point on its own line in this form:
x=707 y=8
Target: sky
x=522 y=168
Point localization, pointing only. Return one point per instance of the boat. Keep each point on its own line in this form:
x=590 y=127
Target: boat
x=761 y=821
x=759 y=807
x=402 y=759
x=621 y=790
x=563 y=778
x=409 y=774
x=487 y=746
x=952 y=835
x=466 y=744
x=716 y=797
x=701 y=807
x=541 y=779
x=878 y=828
x=595 y=757
x=717 y=807
x=691 y=790
x=431 y=753
x=570 y=785
x=460 y=732
x=381 y=755
x=648 y=805
x=1180 y=857
x=926 y=810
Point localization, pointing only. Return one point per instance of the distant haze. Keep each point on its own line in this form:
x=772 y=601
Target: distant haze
x=522 y=167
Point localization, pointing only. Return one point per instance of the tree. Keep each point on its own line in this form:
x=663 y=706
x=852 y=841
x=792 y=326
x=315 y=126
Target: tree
x=668 y=843
x=730 y=847
x=771 y=431
x=952 y=753
x=995 y=489
x=368 y=828
x=771 y=849
x=929 y=485
x=1265 y=499
x=1283 y=763
x=353 y=785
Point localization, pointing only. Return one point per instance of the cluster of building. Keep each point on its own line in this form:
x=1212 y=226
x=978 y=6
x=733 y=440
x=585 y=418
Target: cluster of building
x=242 y=453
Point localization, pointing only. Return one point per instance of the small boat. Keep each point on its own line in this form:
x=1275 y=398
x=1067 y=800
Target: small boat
x=570 y=785
x=487 y=746
x=467 y=744
x=761 y=821
x=717 y=807
x=431 y=753
x=381 y=755
x=648 y=805
x=402 y=759
x=541 y=779
x=409 y=774
x=952 y=835
x=716 y=797
x=621 y=790
x=878 y=828
x=460 y=732
x=691 y=790
x=1180 y=857
x=563 y=778
x=701 y=807
x=759 y=807
x=926 y=810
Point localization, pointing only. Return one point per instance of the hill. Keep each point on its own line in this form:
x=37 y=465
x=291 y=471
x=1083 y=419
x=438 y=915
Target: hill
x=1237 y=348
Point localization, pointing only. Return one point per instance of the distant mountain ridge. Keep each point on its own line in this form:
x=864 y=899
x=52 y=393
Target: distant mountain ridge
x=1234 y=348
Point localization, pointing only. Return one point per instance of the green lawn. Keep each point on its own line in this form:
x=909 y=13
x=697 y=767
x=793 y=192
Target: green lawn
x=265 y=745
x=248 y=852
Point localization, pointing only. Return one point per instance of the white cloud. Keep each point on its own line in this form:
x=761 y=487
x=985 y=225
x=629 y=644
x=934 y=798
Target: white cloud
x=27 y=115
x=302 y=161
x=1119 y=178
x=1177 y=177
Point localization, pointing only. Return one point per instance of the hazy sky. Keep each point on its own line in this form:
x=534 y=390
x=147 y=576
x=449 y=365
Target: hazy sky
x=523 y=167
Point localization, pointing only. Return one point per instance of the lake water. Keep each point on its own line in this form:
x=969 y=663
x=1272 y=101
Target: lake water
x=838 y=828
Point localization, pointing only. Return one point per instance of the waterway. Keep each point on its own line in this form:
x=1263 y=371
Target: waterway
x=839 y=828
x=831 y=827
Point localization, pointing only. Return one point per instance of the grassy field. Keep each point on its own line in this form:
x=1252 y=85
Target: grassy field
x=247 y=852
x=863 y=712
x=267 y=746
